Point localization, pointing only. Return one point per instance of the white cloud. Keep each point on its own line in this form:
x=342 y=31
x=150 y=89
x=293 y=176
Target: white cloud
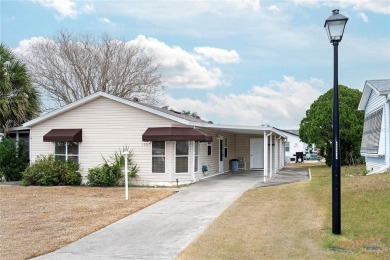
x=242 y=4
x=24 y=46
x=273 y=8
x=218 y=55
x=376 y=6
x=180 y=68
x=65 y=8
x=363 y=16
x=279 y=103
x=105 y=20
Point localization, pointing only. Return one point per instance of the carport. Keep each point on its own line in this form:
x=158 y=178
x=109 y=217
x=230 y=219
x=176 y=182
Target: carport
x=258 y=148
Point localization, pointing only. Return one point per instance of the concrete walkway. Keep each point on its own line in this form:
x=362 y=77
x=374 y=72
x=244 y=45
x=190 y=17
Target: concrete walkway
x=164 y=229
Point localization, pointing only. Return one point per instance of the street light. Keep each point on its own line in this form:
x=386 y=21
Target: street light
x=334 y=26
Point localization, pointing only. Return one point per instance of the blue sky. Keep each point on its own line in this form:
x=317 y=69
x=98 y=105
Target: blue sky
x=247 y=62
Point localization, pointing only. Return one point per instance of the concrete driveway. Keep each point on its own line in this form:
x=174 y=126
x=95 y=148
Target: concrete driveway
x=164 y=229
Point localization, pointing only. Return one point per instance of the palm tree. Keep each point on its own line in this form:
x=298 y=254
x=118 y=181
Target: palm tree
x=19 y=99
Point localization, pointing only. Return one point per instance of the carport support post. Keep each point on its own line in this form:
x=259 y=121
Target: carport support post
x=270 y=156
x=265 y=155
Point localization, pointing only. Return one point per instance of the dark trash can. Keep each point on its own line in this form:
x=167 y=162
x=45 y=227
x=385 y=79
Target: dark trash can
x=299 y=157
x=234 y=165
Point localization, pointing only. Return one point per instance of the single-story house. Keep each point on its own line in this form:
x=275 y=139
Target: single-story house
x=167 y=145
x=293 y=145
x=375 y=146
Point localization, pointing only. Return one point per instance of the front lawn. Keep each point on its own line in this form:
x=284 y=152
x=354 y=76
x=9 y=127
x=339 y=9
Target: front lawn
x=39 y=220
x=293 y=221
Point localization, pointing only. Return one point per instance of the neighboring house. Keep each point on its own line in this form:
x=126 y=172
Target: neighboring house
x=293 y=145
x=167 y=145
x=375 y=146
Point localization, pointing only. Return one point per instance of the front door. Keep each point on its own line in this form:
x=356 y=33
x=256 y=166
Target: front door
x=257 y=153
x=221 y=154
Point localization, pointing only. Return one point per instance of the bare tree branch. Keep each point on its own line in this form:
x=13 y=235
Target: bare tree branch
x=70 y=67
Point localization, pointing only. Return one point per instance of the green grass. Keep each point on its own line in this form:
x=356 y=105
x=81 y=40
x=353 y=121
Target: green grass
x=365 y=212
x=293 y=221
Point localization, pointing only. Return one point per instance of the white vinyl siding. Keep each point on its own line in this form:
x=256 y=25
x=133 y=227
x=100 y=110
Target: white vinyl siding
x=107 y=126
x=372 y=132
x=375 y=101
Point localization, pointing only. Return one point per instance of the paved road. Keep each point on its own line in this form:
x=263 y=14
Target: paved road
x=164 y=229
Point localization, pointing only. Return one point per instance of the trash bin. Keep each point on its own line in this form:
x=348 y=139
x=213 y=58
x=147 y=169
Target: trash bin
x=234 y=165
x=299 y=157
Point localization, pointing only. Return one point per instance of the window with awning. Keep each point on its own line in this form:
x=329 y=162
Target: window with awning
x=64 y=135
x=175 y=134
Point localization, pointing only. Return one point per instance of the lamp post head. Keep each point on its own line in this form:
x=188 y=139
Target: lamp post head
x=335 y=26
x=125 y=154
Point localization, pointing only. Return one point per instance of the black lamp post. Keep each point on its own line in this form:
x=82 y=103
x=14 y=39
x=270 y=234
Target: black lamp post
x=334 y=26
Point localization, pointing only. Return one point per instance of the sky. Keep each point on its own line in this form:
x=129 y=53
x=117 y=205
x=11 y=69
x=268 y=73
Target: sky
x=238 y=62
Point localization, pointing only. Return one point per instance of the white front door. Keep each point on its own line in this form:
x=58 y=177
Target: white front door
x=221 y=154
x=256 y=152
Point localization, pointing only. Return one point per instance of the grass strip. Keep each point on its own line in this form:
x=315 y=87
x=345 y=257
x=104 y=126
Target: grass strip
x=293 y=221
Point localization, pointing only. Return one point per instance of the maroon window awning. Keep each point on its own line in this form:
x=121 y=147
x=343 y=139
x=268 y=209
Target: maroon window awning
x=175 y=134
x=64 y=135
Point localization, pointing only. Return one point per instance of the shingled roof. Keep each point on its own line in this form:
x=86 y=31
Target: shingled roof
x=381 y=85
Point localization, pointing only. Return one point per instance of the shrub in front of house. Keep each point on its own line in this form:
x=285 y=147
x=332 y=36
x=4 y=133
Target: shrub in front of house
x=48 y=171
x=110 y=173
x=105 y=175
x=13 y=159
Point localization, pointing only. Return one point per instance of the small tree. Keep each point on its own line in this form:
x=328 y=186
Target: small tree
x=19 y=100
x=13 y=159
x=110 y=173
x=316 y=127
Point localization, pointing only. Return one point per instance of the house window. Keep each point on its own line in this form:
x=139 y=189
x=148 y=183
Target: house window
x=209 y=149
x=226 y=147
x=287 y=146
x=66 y=151
x=196 y=157
x=371 y=132
x=158 y=157
x=181 y=156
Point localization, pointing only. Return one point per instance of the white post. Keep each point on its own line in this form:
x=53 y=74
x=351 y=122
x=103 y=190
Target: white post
x=270 y=156
x=126 y=155
x=265 y=155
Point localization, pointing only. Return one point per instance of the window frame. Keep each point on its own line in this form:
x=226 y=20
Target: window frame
x=287 y=146
x=209 y=149
x=159 y=156
x=225 y=144
x=196 y=156
x=182 y=156
x=371 y=136
x=66 y=154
